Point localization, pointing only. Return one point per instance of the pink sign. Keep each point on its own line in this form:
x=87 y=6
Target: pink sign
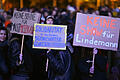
x=96 y=32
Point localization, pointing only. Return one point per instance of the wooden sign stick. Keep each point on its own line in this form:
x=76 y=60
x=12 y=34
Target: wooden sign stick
x=47 y=60
x=93 y=61
x=21 y=54
x=47 y=64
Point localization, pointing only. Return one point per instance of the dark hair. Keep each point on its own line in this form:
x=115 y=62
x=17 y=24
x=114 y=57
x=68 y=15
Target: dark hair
x=3 y=28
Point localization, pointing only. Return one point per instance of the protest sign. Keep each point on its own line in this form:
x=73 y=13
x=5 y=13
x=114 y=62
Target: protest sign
x=96 y=31
x=23 y=22
x=48 y=36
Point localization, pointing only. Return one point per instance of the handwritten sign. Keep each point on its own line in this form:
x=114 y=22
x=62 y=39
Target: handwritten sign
x=96 y=32
x=49 y=36
x=23 y=22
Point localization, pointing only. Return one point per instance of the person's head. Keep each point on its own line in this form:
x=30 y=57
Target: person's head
x=45 y=13
x=54 y=13
x=2 y=20
x=5 y=15
x=3 y=34
x=49 y=20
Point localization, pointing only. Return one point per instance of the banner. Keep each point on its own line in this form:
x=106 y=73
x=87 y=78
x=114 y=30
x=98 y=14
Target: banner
x=23 y=22
x=49 y=36
x=96 y=32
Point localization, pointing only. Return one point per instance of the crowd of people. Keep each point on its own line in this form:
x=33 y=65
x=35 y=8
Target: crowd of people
x=70 y=64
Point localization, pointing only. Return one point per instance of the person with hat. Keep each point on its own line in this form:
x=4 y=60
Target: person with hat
x=49 y=20
x=59 y=65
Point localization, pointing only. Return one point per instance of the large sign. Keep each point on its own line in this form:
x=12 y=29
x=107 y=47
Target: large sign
x=49 y=36
x=23 y=22
x=96 y=31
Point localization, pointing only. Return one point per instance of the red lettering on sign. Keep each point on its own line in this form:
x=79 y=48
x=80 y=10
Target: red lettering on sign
x=82 y=28
x=96 y=32
x=96 y=20
x=26 y=29
x=105 y=22
x=100 y=21
x=89 y=20
x=89 y=31
x=112 y=23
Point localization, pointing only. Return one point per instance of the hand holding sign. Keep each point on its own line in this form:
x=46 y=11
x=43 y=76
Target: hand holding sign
x=92 y=69
x=21 y=58
x=20 y=61
x=95 y=51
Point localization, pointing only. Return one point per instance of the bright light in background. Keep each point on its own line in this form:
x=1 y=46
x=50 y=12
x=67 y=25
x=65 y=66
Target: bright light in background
x=119 y=7
x=3 y=1
x=114 y=0
x=86 y=0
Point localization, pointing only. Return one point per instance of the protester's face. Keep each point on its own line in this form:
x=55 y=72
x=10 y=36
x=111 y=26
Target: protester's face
x=5 y=15
x=45 y=14
x=2 y=35
x=54 y=13
x=49 y=21
x=103 y=9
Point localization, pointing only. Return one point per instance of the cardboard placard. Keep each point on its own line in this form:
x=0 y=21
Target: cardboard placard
x=49 y=36
x=96 y=31
x=23 y=22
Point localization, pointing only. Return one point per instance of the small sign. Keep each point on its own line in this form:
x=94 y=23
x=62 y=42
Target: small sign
x=48 y=36
x=23 y=22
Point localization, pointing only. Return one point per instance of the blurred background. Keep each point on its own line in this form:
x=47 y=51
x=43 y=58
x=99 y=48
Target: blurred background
x=7 y=4
x=64 y=12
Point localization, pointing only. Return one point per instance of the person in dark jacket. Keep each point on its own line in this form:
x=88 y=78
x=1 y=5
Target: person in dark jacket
x=23 y=70
x=115 y=73
x=3 y=54
x=59 y=65
x=85 y=64
x=38 y=60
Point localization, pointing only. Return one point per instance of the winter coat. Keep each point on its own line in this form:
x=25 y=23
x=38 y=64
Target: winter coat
x=59 y=67
x=3 y=59
x=99 y=68
x=14 y=50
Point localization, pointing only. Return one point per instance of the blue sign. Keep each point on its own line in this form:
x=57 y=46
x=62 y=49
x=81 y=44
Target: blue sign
x=48 y=36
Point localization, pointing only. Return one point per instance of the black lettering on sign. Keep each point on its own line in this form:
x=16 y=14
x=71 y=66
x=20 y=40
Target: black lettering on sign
x=16 y=27
x=24 y=15
x=18 y=15
x=24 y=21
x=33 y=17
x=29 y=16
